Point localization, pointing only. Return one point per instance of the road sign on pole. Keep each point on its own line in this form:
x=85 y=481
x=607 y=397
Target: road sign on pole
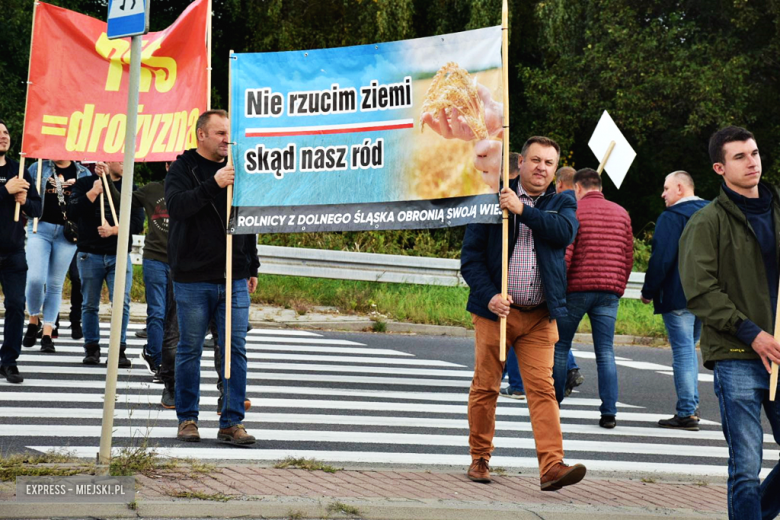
x=127 y=18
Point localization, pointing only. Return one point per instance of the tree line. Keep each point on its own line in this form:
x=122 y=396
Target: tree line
x=670 y=72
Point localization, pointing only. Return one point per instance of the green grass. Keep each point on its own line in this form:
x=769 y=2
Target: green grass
x=51 y=463
x=341 y=507
x=199 y=495
x=401 y=302
x=307 y=464
x=134 y=459
x=427 y=304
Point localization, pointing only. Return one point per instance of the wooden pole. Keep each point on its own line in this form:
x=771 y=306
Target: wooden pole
x=606 y=157
x=38 y=187
x=208 y=57
x=18 y=209
x=505 y=214
x=107 y=191
x=229 y=242
x=773 y=377
x=103 y=211
x=22 y=153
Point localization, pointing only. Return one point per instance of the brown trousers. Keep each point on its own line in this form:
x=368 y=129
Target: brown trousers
x=533 y=336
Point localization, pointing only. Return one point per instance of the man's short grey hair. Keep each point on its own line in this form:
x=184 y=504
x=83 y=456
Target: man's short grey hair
x=683 y=177
x=565 y=176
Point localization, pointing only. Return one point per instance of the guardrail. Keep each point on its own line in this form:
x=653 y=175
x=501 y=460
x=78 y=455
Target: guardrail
x=371 y=267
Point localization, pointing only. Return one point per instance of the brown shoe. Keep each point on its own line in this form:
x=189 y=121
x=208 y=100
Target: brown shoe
x=479 y=471
x=562 y=475
x=235 y=435
x=188 y=432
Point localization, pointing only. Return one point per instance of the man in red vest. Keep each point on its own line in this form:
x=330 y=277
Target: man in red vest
x=599 y=264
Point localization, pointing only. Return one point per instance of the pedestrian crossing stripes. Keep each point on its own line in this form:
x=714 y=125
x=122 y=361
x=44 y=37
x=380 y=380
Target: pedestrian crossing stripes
x=338 y=400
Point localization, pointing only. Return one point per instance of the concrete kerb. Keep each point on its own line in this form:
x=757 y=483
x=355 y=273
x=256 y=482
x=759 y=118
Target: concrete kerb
x=327 y=318
x=370 y=509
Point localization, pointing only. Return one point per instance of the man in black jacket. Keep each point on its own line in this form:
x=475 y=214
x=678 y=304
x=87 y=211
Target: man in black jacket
x=196 y=195
x=96 y=256
x=13 y=264
x=663 y=288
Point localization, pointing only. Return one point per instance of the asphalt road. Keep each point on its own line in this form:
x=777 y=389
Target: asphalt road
x=364 y=399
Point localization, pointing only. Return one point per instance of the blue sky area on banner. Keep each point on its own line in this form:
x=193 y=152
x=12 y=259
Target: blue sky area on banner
x=348 y=67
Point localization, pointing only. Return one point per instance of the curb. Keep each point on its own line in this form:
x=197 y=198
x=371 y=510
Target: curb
x=370 y=509
x=324 y=320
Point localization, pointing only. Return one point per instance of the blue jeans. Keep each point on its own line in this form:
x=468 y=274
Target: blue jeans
x=196 y=304
x=512 y=369
x=48 y=257
x=156 y=276
x=684 y=330
x=13 y=273
x=601 y=308
x=93 y=270
x=742 y=387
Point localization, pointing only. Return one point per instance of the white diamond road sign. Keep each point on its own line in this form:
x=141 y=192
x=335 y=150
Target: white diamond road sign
x=127 y=18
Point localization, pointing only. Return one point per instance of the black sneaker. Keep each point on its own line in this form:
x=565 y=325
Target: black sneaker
x=681 y=423
x=75 y=331
x=55 y=332
x=607 y=421
x=123 y=361
x=47 y=345
x=11 y=374
x=157 y=377
x=31 y=336
x=573 y=380
x=168 y=398
x=93 y=355
x=148 y=361
x=511 y=392
x=141 y=333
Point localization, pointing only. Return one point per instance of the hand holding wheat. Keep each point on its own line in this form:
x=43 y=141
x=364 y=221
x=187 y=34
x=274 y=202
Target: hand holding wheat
x=456 y=106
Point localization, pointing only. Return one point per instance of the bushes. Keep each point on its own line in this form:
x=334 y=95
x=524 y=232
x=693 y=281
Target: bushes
x=441 y=243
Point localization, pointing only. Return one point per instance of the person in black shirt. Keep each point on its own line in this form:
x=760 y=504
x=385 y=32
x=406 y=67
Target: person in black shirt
x=13 y=266
x=49 y=253
x=196 y=196
x=96 y=257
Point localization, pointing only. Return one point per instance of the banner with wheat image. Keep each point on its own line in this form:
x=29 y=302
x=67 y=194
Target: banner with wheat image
x=370 y=137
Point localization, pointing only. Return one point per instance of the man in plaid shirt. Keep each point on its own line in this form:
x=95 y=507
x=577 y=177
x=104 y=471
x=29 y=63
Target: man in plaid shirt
x=541 y=226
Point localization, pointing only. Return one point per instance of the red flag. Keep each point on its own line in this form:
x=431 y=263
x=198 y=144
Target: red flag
x=77 y=96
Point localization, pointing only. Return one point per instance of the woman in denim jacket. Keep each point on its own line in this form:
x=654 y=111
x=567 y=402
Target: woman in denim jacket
x=49 y=253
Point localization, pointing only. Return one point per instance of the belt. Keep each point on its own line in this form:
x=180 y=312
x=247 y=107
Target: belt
x=528 y=308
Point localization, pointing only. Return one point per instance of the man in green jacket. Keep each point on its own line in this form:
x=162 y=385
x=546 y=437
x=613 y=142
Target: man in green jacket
x=729 y=273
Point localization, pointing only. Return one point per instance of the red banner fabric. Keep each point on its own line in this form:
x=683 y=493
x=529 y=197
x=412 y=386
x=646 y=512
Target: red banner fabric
x=77 y=95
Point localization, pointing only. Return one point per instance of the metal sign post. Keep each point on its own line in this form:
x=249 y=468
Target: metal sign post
x=122 y=17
